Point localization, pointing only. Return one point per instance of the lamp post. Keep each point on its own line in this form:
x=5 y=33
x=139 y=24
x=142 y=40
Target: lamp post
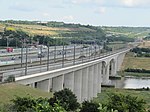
x=48 y=57
x=55 y=49
x=26 y=66
x=89 y=51
x=74 y=54
x=94 y=49
x=63 y=53
x=22 y=44
x=40 y=54
x=99 y=50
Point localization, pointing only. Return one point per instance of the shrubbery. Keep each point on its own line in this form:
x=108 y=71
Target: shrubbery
x=126 y=103
x=141 y=52
x=137 y=70
x=65 y=101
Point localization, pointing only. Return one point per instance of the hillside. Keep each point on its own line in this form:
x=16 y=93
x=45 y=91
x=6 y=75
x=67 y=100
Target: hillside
x=40 y=29
x=132 y=32
x=9 y=91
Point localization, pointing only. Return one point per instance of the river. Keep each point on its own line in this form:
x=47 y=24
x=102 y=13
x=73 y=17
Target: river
x=132 y=83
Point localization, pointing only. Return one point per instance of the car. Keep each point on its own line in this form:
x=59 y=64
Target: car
x=13 y=58
x=41 y=55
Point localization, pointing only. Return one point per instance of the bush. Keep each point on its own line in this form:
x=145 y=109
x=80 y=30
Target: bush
x=11 y=78
x=42 y=105
x=28 y=104
x=23 y=104
x=89 y=107
x=125 y=103
x=137 y=70
x=66 y=99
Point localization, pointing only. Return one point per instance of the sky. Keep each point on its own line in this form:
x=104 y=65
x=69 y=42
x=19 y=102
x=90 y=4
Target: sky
x=92 y=12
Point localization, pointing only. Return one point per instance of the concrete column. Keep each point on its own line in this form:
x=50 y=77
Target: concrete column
x=120 y=61
x=99 y=77
x=78 y=84
x=112 y=72
x=58 y=83
x=84 y=84
x=95 y=79
x=44 y=85
x=90 y=82
x=114 y=68
x=32 y=85
x=69 y=81
x=106 y=75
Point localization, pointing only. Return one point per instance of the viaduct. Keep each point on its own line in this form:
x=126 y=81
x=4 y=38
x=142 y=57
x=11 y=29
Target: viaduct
x=84 y=79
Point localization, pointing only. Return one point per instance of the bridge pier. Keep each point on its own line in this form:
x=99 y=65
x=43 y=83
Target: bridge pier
x=95 y=80
x=106 y=75
x=78 y=84
x=69 y=81
x=99 y=78
x=90 y=82
x=84 y=84
x=58 y=83
x=120 y=60
x=113 y=65
x=44 y=85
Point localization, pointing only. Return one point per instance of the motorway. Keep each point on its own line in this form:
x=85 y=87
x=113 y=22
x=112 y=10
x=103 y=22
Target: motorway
x=13 y=67
x=58 y=54
x=53 y=65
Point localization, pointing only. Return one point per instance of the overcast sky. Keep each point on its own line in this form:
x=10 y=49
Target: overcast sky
x=93 y=12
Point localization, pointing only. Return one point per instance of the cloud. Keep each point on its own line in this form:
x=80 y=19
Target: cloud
x=84 y=1
x=100 y=10
x=68 y=18
x=136 y=3
x=45 y=14
x=22 y=7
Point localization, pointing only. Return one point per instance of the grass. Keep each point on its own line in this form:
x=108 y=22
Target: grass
x=136 y=74
x=10 y=90
x=136 y=62
x=1 y=27
x=145 y=44
x=103 y=97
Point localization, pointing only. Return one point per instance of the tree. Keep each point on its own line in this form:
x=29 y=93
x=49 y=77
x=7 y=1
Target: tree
x=66 y=99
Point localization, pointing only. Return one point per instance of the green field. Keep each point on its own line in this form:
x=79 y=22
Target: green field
x=9 y=91
x=136 y=62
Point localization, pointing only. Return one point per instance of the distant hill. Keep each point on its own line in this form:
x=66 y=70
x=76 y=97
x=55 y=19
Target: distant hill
x=132 y=32
x=44 y=32
x=49 y=28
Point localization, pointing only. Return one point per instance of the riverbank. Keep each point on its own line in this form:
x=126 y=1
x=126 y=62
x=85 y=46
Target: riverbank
x=133 y=74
